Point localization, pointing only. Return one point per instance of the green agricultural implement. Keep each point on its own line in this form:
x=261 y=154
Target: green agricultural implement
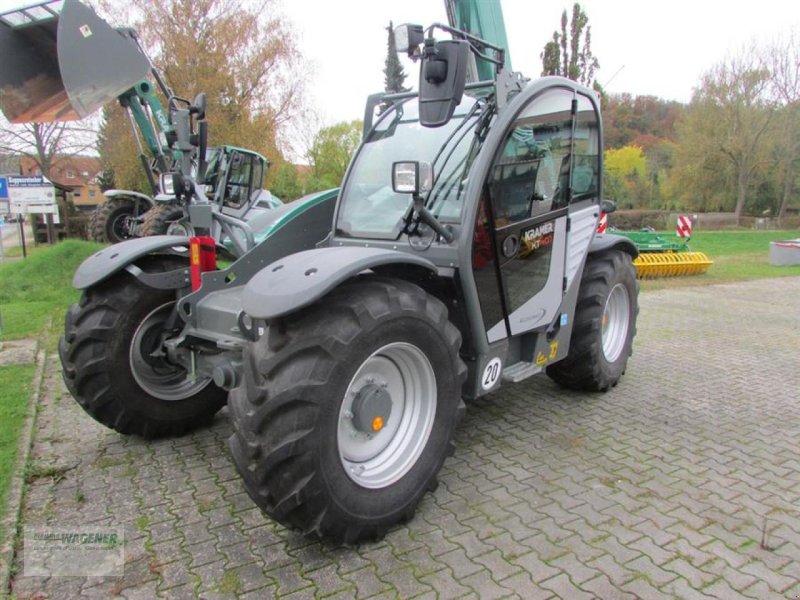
x=660 y=256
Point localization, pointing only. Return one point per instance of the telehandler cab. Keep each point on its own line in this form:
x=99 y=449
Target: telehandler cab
x=459 y=254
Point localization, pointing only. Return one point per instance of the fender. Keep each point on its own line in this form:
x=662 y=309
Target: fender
x=137 y=196
x=300 y=279
x=103 y=264
x=607 y=241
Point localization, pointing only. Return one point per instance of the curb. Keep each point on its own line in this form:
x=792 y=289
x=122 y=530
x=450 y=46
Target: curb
x=14 y=503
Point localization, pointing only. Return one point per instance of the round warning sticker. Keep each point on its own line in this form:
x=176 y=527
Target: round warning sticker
x=491 y=373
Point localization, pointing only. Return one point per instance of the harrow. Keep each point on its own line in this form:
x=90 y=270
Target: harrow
x=662 y=257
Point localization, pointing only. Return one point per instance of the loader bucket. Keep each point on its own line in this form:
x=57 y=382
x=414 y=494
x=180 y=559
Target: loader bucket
x=650 y=265
x=61 y=62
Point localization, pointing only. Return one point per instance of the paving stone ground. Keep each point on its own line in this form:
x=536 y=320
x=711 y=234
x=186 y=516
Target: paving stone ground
x=683 y=482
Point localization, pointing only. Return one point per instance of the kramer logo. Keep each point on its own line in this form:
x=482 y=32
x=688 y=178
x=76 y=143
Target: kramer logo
x=537 y=237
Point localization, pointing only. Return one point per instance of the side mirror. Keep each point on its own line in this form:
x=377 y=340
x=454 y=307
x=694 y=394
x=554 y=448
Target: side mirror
x=412 y=177
x=442 y=77
x=608 y=206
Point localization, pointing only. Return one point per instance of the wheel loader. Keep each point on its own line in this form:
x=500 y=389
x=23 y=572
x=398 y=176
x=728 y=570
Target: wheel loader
x=458 y=256
x=233 y=176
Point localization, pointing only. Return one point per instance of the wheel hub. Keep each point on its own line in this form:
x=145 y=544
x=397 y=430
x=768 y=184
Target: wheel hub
x=149 y=365
x=386 y=415
x=371 y=408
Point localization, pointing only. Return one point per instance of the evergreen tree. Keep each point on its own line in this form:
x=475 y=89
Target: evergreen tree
x=394 y=76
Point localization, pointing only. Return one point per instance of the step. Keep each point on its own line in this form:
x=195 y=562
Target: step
x=519 y=371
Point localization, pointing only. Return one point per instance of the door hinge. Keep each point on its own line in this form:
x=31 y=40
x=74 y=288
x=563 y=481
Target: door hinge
x=564 y=284
x=569 y=224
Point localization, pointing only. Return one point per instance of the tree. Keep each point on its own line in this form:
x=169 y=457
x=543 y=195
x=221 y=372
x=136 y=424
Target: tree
x=287 y=185
x=46 y=144
x=243 y=56
x=728 y=123
x=394 y=76
x=625 y=175
x=569 y=53
x=783 y=58
x=626 y=118
x=330 y=153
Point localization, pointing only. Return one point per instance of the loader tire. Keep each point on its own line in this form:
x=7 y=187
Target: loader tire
x=109 y=364
x=107 y=223
x=158 y=219
x=347 y=410
x=604 y=325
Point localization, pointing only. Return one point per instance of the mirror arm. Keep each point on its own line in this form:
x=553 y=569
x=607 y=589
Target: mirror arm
x=430 y=220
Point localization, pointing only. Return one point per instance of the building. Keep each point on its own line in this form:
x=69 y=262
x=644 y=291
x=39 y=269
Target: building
x=76 y=175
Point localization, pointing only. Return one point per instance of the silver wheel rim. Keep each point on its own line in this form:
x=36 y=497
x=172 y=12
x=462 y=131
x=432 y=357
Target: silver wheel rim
x=152 y=372
x=377 y=460
x=615 y=322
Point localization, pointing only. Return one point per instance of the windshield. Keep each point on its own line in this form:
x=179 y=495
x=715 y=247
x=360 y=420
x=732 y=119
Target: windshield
x=369 y=207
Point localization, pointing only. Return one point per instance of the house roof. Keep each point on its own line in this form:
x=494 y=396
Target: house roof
x=69 y=172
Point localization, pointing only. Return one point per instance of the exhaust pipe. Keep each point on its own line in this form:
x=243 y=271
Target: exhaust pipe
x=61 y=62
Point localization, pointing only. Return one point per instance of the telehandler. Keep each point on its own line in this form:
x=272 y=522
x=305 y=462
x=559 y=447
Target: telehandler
x=459 y=255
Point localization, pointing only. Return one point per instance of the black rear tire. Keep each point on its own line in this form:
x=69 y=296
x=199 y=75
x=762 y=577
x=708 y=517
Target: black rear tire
x=291 y=409
x=158 y=219
x=604 y=324
x=98 y=355
x=107 y=223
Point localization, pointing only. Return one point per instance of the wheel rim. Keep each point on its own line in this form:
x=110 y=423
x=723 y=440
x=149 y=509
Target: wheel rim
x=149 y=367
x=180 y=228
x=118 y=226
x=616 y=317
x=402 y=373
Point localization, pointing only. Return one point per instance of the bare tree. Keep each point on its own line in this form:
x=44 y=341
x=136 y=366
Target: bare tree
x=783 y=59
x=46 y=143
x=730 y=118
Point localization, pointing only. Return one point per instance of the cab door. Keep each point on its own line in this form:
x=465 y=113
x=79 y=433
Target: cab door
x=525 y=213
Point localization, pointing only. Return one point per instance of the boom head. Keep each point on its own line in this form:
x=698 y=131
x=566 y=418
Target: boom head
x=61 y=62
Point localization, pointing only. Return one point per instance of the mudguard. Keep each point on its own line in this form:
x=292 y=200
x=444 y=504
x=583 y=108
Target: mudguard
x=607 y=241
x=300 y=279
x=103 y=264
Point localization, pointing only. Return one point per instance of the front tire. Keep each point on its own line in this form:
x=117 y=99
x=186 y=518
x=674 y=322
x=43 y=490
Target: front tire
x=113 y=366
x=604 y=324
x=347 y=410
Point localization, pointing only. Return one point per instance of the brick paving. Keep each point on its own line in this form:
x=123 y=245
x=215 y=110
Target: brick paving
x=684 y=482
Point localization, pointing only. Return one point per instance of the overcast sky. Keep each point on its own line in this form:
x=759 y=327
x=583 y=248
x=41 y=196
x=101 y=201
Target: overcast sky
x=644 y=47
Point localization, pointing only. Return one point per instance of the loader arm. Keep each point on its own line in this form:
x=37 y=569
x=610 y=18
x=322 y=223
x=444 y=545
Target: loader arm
x=484 y=19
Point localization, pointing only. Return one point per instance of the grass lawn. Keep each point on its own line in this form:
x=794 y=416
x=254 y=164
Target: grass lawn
x=33 y=292
x=737 y=256
x=15 y=389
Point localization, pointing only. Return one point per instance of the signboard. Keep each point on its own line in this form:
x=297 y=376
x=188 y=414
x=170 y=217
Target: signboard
x=32 y=194
x=3 y=188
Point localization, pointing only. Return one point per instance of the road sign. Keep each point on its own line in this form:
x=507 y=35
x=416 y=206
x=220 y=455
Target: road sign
x=684 y=227
x=3 y=188
x=31 y=194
